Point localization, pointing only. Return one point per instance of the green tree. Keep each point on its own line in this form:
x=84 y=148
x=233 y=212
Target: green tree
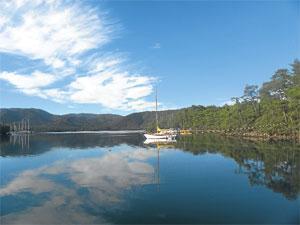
x=251 y=96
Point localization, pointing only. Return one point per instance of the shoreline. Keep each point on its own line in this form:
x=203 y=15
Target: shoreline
x=245 y=135
x=94 y=132
x=76 y=132
x=252 y=135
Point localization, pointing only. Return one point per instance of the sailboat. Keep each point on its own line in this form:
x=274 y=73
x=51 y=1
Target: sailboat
x=160 y=134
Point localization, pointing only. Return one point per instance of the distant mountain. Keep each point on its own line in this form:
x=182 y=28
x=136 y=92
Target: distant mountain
x=41 y=120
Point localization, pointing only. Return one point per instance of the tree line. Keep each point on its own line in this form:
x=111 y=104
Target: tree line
x=272 y=109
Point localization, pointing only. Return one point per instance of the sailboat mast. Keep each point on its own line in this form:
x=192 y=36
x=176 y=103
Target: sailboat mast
x=156 y=116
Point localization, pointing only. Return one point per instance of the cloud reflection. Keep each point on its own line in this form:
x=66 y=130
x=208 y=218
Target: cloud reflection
x=102 y=178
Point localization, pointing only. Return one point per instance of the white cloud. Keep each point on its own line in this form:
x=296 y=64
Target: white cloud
x=112 y=90
x=228 y=102
x=62 y=35
x=33 y=84
x=156 y=46
x=51 y=30
x=97 y=64
x=55 y=94
x=35 y=80
x=140 y=105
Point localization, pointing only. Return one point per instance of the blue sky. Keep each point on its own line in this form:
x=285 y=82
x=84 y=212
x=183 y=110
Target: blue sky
x=107 y=56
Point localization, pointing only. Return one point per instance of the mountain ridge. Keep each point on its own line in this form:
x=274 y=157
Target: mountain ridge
x=41 y=120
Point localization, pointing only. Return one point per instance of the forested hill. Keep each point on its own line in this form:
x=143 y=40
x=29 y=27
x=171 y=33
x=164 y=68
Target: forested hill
x=271 y=109
x=41 y=120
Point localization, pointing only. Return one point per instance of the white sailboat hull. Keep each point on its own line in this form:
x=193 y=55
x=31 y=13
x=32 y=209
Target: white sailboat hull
x=160 y=136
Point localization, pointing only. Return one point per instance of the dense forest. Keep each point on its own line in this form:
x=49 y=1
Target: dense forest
x=270 y=110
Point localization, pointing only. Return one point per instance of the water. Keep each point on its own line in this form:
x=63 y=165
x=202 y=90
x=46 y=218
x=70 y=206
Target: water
x=115 y=178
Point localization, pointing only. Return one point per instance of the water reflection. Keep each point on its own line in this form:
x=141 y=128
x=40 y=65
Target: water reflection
x=275 y=165
x=73 y=187
x=90 y=188
x=40 y=143
x=22 y=140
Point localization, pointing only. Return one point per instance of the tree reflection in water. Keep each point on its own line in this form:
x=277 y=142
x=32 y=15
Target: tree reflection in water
x=275 y=165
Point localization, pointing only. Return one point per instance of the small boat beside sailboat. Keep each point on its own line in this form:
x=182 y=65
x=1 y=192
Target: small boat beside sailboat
x=185 y=132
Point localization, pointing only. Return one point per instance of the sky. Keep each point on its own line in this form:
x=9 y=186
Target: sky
x=110 y=56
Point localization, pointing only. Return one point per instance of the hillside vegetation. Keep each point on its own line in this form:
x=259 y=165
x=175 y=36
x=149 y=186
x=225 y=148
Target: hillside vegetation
x=41 y=120
x=272 y=109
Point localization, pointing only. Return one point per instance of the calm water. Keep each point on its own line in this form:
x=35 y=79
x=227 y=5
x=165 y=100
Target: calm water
x=98 y=178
